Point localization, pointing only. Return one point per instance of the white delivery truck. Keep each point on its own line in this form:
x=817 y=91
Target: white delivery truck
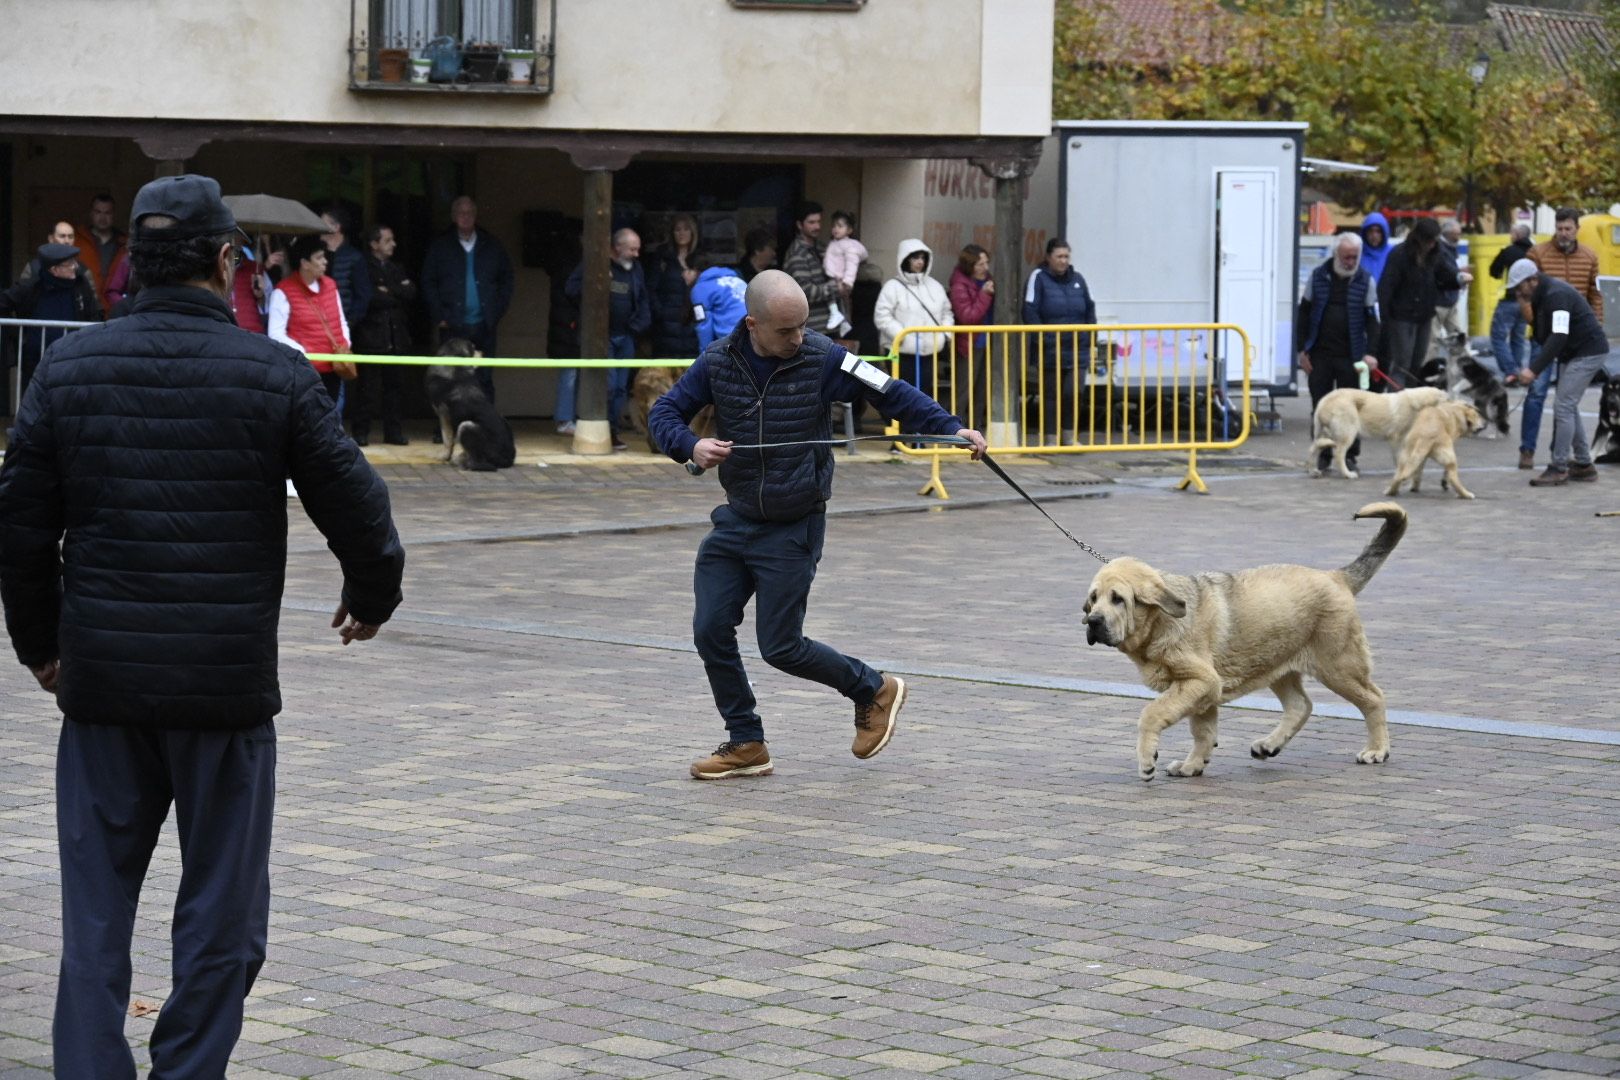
x=1186 y=222
x=1170 y=222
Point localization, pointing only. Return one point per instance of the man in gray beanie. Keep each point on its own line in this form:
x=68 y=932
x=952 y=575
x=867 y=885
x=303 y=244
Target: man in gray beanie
x=1566 y=332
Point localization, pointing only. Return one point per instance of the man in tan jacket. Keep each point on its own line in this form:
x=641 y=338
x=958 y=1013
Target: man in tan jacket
x=1575 y=264
x=1570 y=261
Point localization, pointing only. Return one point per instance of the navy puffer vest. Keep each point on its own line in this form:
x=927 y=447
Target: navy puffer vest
x=773 y=485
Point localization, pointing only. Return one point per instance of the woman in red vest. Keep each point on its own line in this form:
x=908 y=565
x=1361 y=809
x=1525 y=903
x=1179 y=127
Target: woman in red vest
x=305 y=311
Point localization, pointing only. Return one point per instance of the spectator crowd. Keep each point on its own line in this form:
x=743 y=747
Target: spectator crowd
x=1380 y=304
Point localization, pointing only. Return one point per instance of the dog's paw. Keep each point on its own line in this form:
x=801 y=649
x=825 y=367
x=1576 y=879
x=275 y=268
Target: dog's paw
x=1181 y=768
x=1465 y=494
x=1147 y=772
x=1372 y=757
x=1351 y=474
x=1259 y=750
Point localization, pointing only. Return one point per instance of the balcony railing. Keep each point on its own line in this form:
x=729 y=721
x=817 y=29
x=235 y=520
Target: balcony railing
x=449 y=46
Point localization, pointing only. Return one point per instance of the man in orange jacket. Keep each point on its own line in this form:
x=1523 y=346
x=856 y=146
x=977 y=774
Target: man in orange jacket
x=102 y=248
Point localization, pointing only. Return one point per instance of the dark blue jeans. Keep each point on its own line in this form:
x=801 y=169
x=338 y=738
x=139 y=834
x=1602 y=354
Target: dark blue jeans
x=1508 y=343
x=113 y=790
x=774 y=563
x=1535 y=400
x=620 y=347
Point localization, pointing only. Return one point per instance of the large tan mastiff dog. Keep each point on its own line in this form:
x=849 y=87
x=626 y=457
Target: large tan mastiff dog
x=1344 y=414
x=1204 y=640
x=1433 y=436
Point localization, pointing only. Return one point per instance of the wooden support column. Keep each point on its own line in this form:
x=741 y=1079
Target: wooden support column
x=1011 y=175
x=592 y=432
x=170 y=152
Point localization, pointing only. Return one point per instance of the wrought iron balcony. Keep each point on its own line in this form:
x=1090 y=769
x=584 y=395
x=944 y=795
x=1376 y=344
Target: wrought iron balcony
x=452 y=46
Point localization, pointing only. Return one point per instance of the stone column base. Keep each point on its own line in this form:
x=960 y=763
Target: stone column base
x=1002 y=433
x=592 y=438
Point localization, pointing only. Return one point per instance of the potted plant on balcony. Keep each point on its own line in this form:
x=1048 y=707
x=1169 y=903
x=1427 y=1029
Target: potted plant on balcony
x=520 y=64
x=481 y=62
x=392 y=64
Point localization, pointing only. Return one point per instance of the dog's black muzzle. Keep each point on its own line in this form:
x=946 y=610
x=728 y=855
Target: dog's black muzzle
x=1096 y=630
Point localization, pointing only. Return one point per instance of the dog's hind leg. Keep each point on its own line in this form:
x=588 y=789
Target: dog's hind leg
x=1203 y=733
x=1341 y=451
x=1448 y=462
x=1403 y=472
x=1290 y=690
x=1352 y=680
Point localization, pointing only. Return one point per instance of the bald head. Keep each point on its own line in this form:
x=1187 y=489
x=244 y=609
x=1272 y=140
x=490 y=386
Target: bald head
x=626 y=247
x=777 y=312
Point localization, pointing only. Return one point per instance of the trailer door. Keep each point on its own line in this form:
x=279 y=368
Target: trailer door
x=1245 y=274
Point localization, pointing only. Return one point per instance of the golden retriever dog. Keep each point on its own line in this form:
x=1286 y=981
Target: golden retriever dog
x=651 y=383
x=1345 y=414
x=1205 y=640
x=1432 y=435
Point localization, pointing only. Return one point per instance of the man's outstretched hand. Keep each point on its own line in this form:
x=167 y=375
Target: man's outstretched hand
x=976 y=441
x=349 y=628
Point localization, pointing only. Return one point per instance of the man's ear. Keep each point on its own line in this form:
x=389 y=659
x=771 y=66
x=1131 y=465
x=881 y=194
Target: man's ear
x=1158 y=594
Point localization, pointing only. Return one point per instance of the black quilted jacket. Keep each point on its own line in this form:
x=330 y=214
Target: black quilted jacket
x=143 y=514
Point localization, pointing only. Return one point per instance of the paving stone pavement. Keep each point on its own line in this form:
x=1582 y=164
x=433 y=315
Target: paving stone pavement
x=489 y=860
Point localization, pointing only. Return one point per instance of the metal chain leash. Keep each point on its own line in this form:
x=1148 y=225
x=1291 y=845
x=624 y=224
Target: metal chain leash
x=933 y=440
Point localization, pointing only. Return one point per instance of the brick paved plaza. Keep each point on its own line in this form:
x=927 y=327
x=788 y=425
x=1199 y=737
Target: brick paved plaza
x=489 y=860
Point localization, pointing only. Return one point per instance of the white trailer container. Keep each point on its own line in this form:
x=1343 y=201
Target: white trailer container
x=1177 y=222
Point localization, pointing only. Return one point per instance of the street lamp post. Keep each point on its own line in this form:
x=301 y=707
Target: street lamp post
x=1477 y=70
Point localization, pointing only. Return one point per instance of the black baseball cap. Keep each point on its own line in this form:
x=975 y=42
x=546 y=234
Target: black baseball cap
x=52 y=254
x=192 y=201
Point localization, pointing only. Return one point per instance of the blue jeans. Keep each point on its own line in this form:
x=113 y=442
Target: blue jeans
x=620 y=347
x=1508 y=342
x=114 y=786
x=1534 y=401
x=567 y=387
x=773 y=562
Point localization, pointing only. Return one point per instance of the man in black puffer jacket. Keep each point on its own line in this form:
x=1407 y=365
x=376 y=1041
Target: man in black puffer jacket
x=773 y=382
x=156 y=450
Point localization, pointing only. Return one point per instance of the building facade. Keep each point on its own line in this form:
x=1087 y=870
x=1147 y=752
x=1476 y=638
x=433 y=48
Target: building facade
x=731 y=110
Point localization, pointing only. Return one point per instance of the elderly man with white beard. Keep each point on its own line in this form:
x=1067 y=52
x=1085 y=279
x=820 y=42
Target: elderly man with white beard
x=1337 y=326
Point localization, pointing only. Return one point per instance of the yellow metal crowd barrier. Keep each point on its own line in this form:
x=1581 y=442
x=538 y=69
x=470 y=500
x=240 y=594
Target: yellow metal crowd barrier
x=1084 y=389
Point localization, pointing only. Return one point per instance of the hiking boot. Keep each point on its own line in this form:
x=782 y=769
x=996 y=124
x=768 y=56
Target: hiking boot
x=1527 y=459
x=1584 y=473
x=734 y=759
x=874 y=721
x=1552 y=478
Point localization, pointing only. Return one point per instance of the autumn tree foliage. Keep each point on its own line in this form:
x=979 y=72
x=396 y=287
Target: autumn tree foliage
x=1391 y=94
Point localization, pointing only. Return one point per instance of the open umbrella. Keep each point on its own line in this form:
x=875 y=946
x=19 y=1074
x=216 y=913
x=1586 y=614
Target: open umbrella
x=273 y=214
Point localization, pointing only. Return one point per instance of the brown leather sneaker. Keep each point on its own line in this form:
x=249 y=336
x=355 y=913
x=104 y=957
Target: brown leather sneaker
x=874 y=723
x=734 y=759
x=1527 y=459
x=1584 y=473
x=1551 y=478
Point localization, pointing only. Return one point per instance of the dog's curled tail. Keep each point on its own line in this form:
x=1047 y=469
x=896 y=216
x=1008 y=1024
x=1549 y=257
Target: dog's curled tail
x=1358 y=573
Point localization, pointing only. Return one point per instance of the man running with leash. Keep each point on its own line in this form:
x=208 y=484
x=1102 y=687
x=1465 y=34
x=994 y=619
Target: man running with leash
x=772 y=383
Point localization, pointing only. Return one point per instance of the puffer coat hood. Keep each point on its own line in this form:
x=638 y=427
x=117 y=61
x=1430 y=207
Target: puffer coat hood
x=913 y=299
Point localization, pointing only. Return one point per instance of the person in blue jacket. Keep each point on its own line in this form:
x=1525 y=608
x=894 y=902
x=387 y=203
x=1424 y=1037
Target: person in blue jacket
x=719 y=294
x=1057 y=294
x=1375 y=246
x=773 y=381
